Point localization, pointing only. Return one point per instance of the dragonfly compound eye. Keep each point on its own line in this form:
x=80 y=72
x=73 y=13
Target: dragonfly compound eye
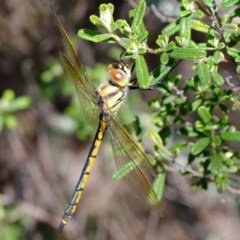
x=118 y=74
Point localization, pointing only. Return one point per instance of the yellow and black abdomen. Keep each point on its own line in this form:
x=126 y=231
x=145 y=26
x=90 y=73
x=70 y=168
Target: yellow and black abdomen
x=72 y=205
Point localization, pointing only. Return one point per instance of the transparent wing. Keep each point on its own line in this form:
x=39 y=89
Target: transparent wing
x=131 y=158
x=86 y=90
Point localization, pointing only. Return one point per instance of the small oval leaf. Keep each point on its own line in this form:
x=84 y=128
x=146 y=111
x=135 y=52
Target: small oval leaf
x=94 y=36
x=185 y=27
x=230 y=136
x=204 y=74
x=216 y=162
x=229 y=3
x=138 y=14
x=142 y=72
x=217 y=78
x=196 y=104
x=230 y=28
x=106 y=16
x=158 y=185
x=170 y=29
x=200 y=145
x=21 y=103
x=164 y=58
x=204 y=114
x=199 y=26
x=187 y=53
x=95 y=20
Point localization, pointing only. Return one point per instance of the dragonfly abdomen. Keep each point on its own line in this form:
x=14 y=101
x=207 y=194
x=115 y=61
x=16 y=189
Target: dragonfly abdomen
x=72 y=205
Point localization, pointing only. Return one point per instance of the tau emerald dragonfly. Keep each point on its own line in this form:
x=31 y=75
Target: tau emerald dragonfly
x=107 y=99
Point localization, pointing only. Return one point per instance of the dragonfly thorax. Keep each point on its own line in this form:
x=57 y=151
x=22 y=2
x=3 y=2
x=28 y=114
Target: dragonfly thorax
x=112 y=93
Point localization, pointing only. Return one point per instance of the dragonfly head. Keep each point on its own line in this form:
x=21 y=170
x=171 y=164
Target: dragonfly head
x=120 y=74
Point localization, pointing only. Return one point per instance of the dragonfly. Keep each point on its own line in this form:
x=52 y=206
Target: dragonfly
x=104 y=102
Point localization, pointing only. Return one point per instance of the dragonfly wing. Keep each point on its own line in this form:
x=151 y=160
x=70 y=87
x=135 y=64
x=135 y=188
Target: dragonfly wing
x=86 y=96
x=131 y=158
x=86 y=90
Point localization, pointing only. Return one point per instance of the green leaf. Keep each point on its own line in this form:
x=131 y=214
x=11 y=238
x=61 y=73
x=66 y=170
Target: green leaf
x=199 y=26
x=200 y=145
x=171 y=28
x=187 y=53
x=8 y=95
x=230 y=136
x=229 y=3
x=95 y=20
x=178 y=147
x=138 y=14
x=136 y=125
x=94 y=36
x=216 y=140
x=204 y=74
x=188 y=131
x=21 y=103
x=161 y=71
x=196 y=104
x=233 y=169
x=138 y=30
x=123 y=27
x=126 y=43
x=217 y=78
x=106 y=16
x=185 y=28
x=222 y=182
x=234 y=52
x=230 y=28
x=205 y=114
x=209 y=3
x=217 y=57
x=160 y=150
x=10 y=121
x=238 y=69
x=159 y=184
x=156 y=138
x=162 y=41
x=142 y=72
x=164 y=58
x=216 y=162
x=142 y=34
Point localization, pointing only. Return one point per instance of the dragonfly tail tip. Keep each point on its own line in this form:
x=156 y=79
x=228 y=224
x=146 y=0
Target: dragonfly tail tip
x=61 y=227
